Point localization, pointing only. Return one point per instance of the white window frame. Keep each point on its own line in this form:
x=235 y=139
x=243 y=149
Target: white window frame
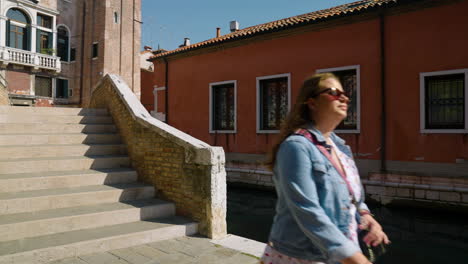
x=44 y=29
x=358 y=97
x=422 y=102
x=18 y=24
x=156 y=89
x=211 y=130
x=288 y=75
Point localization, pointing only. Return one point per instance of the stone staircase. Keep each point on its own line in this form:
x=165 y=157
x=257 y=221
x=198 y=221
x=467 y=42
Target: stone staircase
x=67 y=188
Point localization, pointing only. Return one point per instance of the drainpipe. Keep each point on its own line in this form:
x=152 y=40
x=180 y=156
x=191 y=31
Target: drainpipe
x=383 y=148
x=82 y=52
x=166 y=84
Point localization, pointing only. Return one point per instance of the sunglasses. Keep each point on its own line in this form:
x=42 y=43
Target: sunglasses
x=333 y=92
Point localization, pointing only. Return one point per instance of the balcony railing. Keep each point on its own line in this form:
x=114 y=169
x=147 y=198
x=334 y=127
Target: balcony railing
x=23 y=57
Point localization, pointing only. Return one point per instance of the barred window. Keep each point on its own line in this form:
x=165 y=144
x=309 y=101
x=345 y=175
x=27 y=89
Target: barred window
x=445 y=101
x=223 y=107
x=273 y=102
x=43 y=86
x=349 y=79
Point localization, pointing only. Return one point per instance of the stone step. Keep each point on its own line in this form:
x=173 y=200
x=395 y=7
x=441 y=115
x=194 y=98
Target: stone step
x=44 y=249
x=54 y=119
x=22 y=225
x=53 y=111
x=28 y=165
x=62 y=138
x=63 y=179
x=32 y=128
x=43 y=151
x=38 y=200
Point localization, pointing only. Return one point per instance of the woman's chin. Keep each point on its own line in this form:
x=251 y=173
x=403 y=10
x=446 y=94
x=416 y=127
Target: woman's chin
x=342 y=114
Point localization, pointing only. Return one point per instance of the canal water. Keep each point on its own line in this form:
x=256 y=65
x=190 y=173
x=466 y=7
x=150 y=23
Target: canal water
x=418 y=236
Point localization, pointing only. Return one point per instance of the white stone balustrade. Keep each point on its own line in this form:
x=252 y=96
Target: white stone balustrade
x=23 y=57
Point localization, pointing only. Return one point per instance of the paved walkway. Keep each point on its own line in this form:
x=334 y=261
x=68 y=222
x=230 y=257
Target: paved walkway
x=184 y=250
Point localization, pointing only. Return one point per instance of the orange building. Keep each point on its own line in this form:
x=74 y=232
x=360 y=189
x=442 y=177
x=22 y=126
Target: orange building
x=404 y=62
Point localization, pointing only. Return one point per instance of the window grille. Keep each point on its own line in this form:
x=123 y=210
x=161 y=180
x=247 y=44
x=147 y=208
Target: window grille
x=43 y=86
x=273 y=102
x=223 y=107
x=348 y=79
x=445 y=101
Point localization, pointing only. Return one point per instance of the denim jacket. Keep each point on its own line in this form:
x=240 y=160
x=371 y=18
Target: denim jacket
x=312 y=211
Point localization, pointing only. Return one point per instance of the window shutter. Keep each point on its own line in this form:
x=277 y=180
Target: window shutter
x=27 y=41
x=67 y=48
x=8 y=33
x=49 y=42
x=38 y=40
x=65 y=88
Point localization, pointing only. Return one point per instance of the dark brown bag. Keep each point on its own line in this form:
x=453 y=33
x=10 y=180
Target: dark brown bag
x=371 y=252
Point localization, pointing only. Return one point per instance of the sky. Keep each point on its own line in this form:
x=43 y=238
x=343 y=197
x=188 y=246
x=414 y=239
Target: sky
x=167 y=22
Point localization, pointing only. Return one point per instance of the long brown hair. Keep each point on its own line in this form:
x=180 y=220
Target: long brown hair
x=300 y=114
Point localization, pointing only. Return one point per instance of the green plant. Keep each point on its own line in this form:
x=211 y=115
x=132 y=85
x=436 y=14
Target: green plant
x=48 y=51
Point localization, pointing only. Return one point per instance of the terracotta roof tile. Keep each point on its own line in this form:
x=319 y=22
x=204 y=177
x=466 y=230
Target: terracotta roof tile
x=341 y=10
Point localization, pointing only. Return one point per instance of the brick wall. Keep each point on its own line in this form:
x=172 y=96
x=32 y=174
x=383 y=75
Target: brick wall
x=43 y=102
x=183 y=169
x=19 y=82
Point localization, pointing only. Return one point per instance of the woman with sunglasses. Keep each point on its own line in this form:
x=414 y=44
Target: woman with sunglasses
x=320 y=206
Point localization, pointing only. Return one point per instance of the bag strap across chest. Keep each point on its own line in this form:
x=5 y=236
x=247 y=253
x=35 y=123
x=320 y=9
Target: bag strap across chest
x=307 y=134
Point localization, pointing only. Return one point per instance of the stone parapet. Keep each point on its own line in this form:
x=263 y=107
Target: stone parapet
x=4 y=100
x=183 y=169
x=441 y=191
x=250 y=176
x=450 y=192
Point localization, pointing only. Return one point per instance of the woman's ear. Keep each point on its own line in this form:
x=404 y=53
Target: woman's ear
x=310 y=103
